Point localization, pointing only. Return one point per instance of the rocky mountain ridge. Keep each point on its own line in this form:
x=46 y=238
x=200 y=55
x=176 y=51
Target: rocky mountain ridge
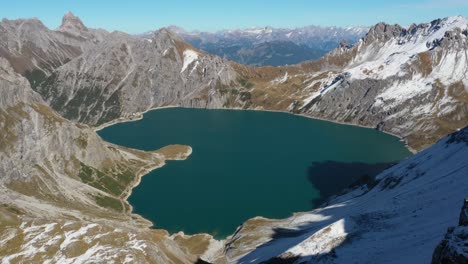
x=35 y=51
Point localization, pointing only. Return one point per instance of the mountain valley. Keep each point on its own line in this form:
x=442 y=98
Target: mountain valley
x=64 y=189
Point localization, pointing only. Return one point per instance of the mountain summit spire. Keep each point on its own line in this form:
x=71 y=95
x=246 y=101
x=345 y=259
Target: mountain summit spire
x=72 y=23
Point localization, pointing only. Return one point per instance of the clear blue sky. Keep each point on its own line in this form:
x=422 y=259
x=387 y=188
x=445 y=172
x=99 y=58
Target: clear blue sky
x=135 y=16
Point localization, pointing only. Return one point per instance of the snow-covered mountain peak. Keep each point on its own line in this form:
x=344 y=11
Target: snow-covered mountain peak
x=392 y=50
x=258 y=30
x=415 y=34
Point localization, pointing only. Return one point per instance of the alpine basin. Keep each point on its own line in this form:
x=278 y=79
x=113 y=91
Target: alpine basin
x=246 y=164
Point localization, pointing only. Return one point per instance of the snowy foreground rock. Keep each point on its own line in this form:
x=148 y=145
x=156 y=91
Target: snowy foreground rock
x=454 y=247
x=401 y=219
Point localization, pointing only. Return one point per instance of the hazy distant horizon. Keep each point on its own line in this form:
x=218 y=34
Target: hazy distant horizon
x=144 y=15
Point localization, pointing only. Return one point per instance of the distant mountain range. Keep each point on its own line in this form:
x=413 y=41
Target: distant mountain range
x=271 y=46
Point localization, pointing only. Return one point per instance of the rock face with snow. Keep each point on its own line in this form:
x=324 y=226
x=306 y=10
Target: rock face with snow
x=271 y=46
x=400 y=218
x=408 y=81
x=454 y=247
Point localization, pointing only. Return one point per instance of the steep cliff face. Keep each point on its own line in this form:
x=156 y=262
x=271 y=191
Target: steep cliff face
x=398 y=218
x=63 y=190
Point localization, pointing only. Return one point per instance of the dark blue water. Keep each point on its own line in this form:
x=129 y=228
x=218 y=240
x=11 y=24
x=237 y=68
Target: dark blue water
x=246 y=164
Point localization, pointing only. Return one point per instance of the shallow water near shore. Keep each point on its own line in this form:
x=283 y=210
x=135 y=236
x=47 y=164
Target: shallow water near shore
x=246 y=164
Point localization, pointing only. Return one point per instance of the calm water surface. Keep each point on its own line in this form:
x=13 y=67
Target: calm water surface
x=246 y=164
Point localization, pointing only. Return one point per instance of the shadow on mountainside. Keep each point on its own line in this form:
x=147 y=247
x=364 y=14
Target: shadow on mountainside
x=333 y=178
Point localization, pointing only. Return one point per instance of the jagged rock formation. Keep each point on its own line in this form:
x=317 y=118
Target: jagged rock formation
x=454 y=247
x=72 y=24
x=35 y=51
x=400 y=218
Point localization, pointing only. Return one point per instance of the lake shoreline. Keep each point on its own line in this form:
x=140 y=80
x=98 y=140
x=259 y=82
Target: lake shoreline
x=145 y=172
x=139 y=116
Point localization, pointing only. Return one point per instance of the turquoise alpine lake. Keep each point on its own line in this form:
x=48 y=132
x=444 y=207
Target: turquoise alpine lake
x=246 y=164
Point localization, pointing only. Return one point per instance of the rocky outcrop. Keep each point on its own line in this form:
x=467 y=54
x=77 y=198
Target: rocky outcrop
x=454 y=247
x=464 y=214
x=72 y=23
x=383 y=32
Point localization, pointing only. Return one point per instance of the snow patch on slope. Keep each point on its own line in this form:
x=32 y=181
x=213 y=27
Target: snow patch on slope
x=400 y=91
x=281 y=80
x=189 y=57
x=334 y=83
x=323 y=241
x=98 y=244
